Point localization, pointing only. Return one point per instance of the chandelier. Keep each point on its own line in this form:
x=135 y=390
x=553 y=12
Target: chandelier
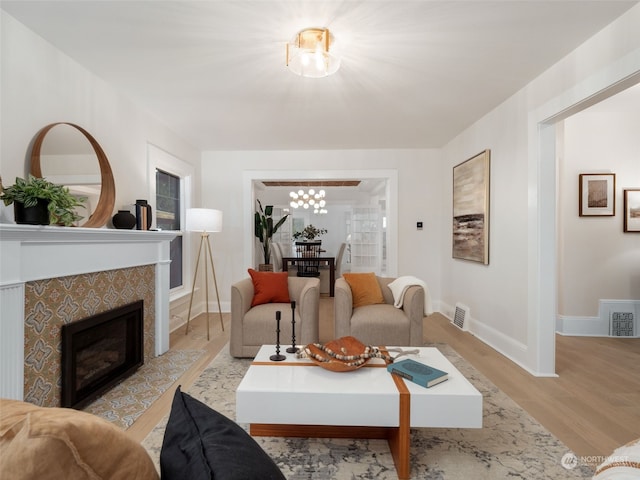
x=308 y=54
x=309 y=199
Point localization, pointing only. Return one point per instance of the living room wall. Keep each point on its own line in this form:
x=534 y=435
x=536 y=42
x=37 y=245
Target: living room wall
x=510 y=306
x=41 y=85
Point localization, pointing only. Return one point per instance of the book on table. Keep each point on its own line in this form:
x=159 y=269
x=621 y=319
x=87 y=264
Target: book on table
x=418 y=372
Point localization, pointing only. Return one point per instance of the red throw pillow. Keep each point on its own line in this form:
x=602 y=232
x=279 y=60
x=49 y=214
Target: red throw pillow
x=269 y=287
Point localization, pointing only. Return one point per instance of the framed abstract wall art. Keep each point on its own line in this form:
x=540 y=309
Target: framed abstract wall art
x=597 y=195
x=632 y=210
x=471 y=208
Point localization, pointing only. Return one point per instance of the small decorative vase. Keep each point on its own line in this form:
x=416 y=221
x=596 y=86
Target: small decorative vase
x=36 y=215
x=124 y=220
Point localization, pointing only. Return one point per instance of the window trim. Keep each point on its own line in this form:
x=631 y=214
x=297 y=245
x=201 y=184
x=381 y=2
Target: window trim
x=159 y=159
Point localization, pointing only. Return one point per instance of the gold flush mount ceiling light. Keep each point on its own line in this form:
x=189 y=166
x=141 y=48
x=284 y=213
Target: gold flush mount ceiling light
x=308 y=54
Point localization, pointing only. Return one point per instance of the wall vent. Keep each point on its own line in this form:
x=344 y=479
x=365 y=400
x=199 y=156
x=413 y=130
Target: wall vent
x=461 y=316
x=621 y=324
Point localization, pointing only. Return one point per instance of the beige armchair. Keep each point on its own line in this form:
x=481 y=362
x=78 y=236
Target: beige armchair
x=380 y=324
x=253 y=327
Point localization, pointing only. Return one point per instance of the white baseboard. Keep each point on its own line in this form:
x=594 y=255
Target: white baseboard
x=581 y=326
x=507 y=346
x=598 y=326
x=510 y=348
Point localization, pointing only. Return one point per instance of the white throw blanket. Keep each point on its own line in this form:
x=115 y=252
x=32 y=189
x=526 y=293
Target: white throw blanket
x=399 y=287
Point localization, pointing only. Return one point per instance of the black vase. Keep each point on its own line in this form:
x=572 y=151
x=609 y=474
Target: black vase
x=124 y=220
x=36 y=215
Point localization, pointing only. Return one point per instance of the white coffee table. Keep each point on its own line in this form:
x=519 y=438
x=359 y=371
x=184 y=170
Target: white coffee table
x=296 y=398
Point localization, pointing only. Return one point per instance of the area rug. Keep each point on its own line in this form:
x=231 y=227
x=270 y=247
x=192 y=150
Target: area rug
x=511 y=443
x=124 y=403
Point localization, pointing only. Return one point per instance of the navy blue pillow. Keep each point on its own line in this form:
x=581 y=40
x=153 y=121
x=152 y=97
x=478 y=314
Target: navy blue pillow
x=202 y=444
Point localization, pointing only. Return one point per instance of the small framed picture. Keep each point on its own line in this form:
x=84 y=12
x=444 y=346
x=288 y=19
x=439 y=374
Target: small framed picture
x=597 y=194
x=632 y=210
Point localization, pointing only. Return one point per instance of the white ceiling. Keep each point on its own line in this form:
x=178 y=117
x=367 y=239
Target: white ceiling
x=414 y=73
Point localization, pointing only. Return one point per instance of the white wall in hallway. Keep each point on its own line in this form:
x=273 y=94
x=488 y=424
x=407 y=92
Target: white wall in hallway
x=597 y=259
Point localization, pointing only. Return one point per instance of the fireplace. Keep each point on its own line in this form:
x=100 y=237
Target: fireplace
x=59 y=275
x=99 y=351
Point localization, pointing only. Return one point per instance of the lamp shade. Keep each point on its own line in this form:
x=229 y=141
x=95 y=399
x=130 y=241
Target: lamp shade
x=204 y=220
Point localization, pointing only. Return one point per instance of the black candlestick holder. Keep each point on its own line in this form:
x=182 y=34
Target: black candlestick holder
x=293 y=348
x=277 y=357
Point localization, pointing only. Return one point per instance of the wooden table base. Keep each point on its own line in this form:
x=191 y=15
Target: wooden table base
x=398 y=437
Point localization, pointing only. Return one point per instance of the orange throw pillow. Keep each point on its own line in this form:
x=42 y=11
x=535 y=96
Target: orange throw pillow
x=269 y=287
x=365 y=288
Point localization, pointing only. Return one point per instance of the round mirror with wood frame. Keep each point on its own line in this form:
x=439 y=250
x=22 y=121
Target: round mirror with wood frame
x=104 y=209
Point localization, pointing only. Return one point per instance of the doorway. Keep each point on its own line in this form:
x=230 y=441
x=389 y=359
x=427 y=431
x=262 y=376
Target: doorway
x=253 y=181
x=543 y=240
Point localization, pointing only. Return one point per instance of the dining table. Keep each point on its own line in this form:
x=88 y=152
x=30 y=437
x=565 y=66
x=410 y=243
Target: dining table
x=322 y=260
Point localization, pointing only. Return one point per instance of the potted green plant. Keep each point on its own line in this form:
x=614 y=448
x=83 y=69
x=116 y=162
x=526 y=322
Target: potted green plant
x=52 y=203
x=309 y=233
x=265 y=228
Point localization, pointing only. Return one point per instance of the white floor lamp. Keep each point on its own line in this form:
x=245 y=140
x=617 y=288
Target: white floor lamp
x=204 y=220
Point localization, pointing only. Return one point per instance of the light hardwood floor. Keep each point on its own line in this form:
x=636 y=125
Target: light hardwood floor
x=593 y=406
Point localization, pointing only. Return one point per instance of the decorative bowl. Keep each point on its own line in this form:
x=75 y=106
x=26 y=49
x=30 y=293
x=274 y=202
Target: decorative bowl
x=345 y=346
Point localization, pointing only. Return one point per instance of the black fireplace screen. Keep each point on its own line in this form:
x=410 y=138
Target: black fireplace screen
x=100 y=351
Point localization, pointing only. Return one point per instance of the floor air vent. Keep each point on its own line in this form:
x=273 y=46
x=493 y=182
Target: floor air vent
x=622 y=324
x=460 y=318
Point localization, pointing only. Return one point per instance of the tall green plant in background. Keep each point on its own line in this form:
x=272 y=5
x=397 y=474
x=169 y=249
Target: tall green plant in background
x=265 y=228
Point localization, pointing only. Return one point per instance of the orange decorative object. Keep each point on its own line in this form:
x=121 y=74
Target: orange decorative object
x=342 y=355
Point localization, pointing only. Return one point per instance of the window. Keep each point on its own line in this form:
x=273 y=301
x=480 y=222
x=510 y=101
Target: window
x=170 y=192
x=168 y=216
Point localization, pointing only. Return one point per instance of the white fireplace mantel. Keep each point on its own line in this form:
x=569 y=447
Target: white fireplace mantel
x=30 y=252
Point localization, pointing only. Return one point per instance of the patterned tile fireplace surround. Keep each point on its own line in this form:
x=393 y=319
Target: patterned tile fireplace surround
x=51 y=276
